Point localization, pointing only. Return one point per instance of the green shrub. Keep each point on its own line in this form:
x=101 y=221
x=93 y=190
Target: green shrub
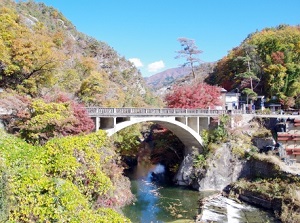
x=64 y=181
x=200 y=161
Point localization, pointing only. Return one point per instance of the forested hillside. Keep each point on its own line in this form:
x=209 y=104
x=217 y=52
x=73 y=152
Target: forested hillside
x=266 y=63
x=59 y=171
x=43 y=54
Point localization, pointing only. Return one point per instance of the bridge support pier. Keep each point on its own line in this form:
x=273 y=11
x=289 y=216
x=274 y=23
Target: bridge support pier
x=183 y=120
x=196 y=123
x=193 y=123
x=97 y=123
x=104 y=122
x=204 y=123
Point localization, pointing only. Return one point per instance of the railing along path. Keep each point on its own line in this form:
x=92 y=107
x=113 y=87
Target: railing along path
x=112 y=112
x=169 y=112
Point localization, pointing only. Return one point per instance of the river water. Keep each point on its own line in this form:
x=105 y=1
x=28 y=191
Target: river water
x=156 y=203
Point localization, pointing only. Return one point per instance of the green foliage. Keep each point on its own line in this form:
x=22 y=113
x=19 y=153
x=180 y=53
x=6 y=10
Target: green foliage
x=249 y=94
x=267 y=62
x=127 y=140
x=199 y=161
x=262 y=133
x=69 y=80
x=59 y=182
x=211 y=138
x=205 y=134
x=80 y=160
x=93 y=89
x=239 y=150
x=47 y=120
x=38 y=120
x=220 y=134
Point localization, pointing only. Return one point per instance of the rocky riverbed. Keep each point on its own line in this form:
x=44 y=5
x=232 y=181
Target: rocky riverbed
x=219 y=209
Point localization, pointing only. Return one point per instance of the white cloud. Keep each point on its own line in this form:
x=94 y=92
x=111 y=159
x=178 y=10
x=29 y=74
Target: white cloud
x=137 y=62
x=153 y=67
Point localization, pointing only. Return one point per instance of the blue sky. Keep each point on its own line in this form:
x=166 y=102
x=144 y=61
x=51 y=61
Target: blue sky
x=146 y=31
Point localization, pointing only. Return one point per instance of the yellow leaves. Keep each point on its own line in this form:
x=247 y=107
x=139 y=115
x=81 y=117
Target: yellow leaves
x=33 y=52
x=55 y=183
x=9 y=27
x=79 y=158
x=276 y=74
x=93 y=89
x=89 y=64
x=26 y=54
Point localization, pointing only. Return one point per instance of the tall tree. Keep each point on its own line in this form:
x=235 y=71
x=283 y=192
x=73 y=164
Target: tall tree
x=250 y=74
x=190 y=52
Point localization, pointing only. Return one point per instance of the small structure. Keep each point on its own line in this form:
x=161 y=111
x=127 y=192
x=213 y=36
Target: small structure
x=232 y=100
x=288 y=136
x=273 y=107
x=260 y=102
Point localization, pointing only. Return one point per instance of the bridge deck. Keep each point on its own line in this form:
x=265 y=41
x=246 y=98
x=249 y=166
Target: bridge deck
x=169 y=112
x=126 y=112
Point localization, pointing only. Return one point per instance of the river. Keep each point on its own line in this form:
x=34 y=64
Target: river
x=160 y=203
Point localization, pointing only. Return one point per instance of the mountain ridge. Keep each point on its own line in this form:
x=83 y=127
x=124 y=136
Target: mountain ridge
x=161 y=82
x=84 y=60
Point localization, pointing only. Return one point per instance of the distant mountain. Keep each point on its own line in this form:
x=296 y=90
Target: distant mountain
x=160 y=83
x=166 y=77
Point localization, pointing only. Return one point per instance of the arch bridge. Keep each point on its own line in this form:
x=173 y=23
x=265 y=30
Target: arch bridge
x=186 y=124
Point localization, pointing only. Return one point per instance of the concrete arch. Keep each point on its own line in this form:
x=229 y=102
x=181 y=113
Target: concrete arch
x=187 y=135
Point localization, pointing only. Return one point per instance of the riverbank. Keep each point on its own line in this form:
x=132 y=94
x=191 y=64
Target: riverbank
x=262 y=180
x=276 y=187
x=281 y=196
x=220 y=209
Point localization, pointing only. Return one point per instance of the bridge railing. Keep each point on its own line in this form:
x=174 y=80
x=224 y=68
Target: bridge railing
x=99 y=111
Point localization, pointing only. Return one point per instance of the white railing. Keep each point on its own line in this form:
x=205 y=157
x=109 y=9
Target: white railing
x=99 y=111
x=115 y=112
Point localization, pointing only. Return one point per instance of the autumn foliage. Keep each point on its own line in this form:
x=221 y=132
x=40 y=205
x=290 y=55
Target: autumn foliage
x=269 y=60
x=38 y=120
x=199 y=95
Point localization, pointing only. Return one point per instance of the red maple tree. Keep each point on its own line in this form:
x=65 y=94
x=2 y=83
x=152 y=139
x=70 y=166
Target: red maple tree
x=82 y=122
x=199 y=95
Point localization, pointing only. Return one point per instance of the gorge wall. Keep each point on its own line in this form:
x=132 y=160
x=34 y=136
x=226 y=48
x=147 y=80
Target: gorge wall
x=223 y=168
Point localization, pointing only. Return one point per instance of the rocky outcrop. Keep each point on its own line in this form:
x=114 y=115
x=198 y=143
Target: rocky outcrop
x=257 y=199
x=260 y=143
x=223 y=168
x=185 y=172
